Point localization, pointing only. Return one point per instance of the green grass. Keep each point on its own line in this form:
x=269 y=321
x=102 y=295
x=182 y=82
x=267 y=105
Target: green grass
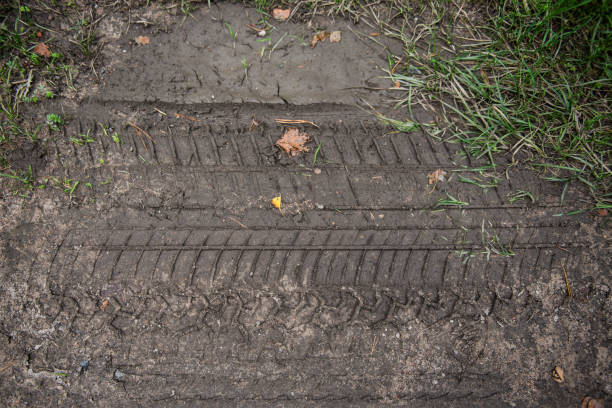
x=533 y=81
x=451 y=201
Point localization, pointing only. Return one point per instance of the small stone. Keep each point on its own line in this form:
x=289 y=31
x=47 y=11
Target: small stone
x=118 y=375
x=261 y=33
x=320 y=206
x=317 y=171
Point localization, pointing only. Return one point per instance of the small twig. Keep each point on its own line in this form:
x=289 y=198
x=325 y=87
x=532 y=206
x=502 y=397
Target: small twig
x=374 y=343
x=295 y=122
x=238 y=222
x=163 y=113
x=142 y=130
x=142 y=140
x=180 y=115
x=7 y=366
x=569 y=290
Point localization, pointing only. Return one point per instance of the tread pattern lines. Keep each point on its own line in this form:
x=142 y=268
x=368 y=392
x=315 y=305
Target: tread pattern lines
x=207 y=258
x=361 y=163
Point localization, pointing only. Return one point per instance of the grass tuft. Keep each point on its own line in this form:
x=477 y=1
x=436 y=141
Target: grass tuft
x=533 y=80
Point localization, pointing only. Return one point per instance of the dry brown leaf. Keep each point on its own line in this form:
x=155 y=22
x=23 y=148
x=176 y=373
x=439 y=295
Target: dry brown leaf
x=254 y=124
x=435 y=176
x=38 y=34
x=397 y=85
x=590 y=402
x=335 y=37
x=104 y=305
x=319 y=36
x=42 y=50
x=557 y=375
x=293 y=141
x=281 y=14
x=602 y=212
x=142 y=40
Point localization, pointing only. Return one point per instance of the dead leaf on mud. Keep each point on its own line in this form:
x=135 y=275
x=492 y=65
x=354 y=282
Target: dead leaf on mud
x=254 y=124
x=104 y=305
x=435 y=176
x=142 y=40
x=319 y=36
x=276 y=202
x=590 y=402
x=335 y=37
x=42 y=50
x=557 y=375
x=293 y=141
x=281 y=14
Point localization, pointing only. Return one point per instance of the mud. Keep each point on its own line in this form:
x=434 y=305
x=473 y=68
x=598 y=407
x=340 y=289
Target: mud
x=166 y=278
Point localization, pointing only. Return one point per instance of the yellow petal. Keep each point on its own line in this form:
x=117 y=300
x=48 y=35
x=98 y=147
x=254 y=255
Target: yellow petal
x=276 y=202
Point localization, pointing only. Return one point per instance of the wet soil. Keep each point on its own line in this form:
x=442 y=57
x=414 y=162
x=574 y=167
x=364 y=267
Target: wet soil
x=166 y=278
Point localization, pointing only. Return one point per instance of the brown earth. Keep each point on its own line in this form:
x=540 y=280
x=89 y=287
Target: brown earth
x=166 y=278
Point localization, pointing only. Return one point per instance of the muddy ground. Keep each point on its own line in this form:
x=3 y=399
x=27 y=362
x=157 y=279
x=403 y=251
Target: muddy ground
x=166 y=277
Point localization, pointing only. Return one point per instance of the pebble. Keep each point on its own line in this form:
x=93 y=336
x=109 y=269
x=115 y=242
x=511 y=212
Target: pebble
x=118 y=375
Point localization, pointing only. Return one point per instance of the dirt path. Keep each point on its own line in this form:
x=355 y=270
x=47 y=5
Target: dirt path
x=168 y=279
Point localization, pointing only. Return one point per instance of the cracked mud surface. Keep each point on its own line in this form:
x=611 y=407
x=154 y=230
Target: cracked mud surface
x=171 y=281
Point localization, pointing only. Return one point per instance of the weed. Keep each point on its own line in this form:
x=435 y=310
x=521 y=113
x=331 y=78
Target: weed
x=521 y=195
x=479 y=183
x=263 y=5
x=82 y=139
x=245 y=66
x=316 y=153
x=233 y=34
x=26 y=178
x=276 y=44
x=54 y=121
x=114 y=136
x=451 y=201
x=70 y=187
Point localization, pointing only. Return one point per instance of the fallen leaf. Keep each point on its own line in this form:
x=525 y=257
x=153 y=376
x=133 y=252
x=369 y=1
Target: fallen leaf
x=397 y=85
x=557 y=375
x=590 y=402
x=254 y=124
x=142 y=40
x=104 y=305
x=276 y=202
x=435 y=176
x=38 y=34
x=319 y=36
x=602 y=212
x=42 y=50
x=335 y=37
x=281 y=14
x=293 y=141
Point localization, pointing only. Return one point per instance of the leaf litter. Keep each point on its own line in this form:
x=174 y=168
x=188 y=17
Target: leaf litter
x=435 y=176
x=293 y=141
x=42 y=50
x=142 y=40
x=281 y=14
x=334 y=37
